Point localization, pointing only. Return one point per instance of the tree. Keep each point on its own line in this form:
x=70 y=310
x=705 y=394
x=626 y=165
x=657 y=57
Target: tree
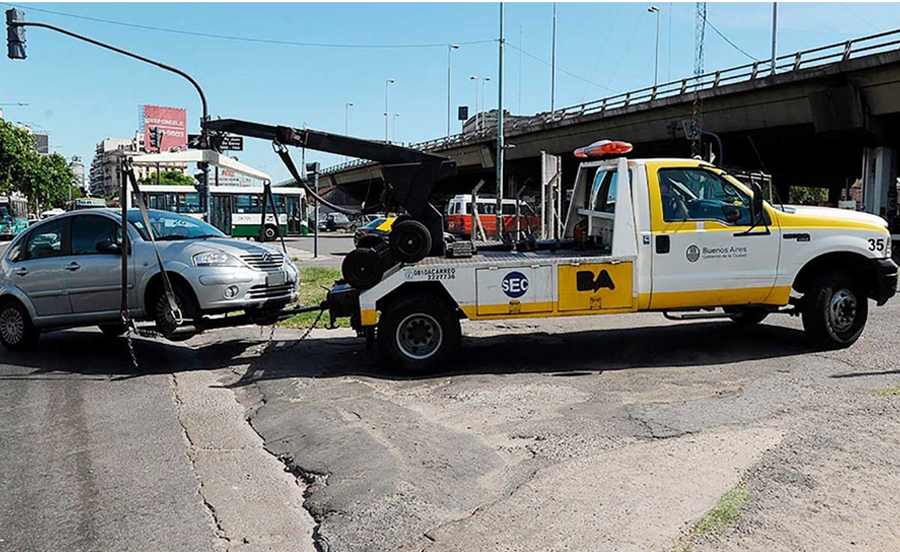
x=43 y=179
x=170 y=178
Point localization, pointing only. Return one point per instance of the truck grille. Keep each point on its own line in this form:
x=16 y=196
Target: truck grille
x=268 y=262
x=265 y=292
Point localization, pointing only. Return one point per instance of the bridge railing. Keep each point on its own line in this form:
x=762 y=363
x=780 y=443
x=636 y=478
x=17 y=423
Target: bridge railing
x=805 y=59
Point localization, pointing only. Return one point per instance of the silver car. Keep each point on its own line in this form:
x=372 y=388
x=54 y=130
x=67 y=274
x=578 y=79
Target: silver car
x=66 y=272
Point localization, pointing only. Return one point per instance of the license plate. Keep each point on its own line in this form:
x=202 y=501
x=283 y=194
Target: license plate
x=275 y=279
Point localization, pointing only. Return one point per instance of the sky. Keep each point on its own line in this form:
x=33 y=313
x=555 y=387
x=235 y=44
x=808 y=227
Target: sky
x=82 y=94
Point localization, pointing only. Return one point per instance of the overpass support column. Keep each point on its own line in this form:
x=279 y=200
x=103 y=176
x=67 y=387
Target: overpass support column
x=879 y=179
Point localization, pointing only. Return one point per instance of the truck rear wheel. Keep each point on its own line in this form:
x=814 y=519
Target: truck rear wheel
x=418 y=334
x=747 y=316
x=835 y=309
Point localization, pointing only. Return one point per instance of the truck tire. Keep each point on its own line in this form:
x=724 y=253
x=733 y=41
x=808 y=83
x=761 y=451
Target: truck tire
x=17 y=332
x=747 y=316
x=835 y=309
x=418 y=334
x=362 y=268
x=410 y=241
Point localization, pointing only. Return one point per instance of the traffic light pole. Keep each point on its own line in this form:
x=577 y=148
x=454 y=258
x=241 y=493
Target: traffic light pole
x=15 y=22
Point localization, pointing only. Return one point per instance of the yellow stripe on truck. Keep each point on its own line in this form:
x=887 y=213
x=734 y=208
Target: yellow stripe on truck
x=368 y=317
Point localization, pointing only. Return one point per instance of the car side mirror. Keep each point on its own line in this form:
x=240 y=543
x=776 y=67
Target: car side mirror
x=756 y=203
x=108 y=246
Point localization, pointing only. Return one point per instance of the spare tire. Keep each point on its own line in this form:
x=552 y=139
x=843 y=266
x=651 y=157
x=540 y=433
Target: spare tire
x=410 y=241
x=362 y=268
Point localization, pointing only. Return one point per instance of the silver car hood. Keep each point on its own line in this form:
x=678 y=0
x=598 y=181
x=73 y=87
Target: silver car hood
x=172 y=250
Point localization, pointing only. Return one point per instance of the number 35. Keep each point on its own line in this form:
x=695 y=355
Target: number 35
x=876 y=245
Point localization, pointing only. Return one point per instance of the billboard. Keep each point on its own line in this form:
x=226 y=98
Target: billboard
x=170 y=122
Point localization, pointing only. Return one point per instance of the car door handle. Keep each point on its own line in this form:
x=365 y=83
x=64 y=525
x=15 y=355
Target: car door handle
x=22 y=271
x=73 y=266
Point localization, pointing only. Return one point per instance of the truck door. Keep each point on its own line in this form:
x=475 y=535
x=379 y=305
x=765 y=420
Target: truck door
x=704 y=251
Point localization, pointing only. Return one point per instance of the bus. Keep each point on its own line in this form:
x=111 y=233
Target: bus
x=13 y=216
x=235 y=210
x=459 y=216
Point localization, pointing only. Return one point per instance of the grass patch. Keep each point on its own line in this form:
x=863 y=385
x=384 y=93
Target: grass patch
x=891 y=392
x=724 y=514
x=314 y=284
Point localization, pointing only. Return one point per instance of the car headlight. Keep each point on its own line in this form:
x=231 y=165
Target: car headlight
x=215 y=258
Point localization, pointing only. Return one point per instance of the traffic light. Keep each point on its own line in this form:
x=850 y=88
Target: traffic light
x=15 y=34
x=153 y=139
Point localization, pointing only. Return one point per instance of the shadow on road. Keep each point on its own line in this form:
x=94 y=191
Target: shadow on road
x=562 y=354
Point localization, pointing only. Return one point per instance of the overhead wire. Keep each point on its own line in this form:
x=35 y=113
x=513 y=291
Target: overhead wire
x=558 y=68
x=726 y=39
x=250 y=38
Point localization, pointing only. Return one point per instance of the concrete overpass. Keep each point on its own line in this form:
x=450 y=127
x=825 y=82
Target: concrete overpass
x=824 y=117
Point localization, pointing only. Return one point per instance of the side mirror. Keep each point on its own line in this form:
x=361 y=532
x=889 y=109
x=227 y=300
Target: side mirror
x=756 y=203
x=108 y=246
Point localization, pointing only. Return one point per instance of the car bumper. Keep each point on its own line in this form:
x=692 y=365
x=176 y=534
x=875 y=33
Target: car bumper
x=885 y=280
x=226 y=289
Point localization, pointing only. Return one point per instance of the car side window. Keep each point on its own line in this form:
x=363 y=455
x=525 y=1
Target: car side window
x=697 y=194
x=14 y=254
x=46 y=241
x=89 y=231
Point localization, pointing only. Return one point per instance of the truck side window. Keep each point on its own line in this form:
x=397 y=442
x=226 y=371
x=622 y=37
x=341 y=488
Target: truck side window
x=696 y=194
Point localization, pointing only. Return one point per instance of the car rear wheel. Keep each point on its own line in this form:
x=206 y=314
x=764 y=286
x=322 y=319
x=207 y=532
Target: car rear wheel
x=17 y=332
x=418 y=334
x=835 y=309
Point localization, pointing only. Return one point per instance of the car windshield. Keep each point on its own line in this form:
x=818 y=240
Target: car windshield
x=172 y=226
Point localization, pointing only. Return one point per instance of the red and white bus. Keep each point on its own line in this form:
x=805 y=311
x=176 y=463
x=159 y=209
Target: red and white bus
x=459 y=216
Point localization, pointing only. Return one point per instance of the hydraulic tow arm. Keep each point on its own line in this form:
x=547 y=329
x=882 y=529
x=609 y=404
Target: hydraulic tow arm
x=409 y=174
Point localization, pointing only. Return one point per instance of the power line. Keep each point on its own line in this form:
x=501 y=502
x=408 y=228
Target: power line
x=725 y=38
x=627 y=49
x=560 y=69
x=612 y=26
x=857 y=14
x=251 y=39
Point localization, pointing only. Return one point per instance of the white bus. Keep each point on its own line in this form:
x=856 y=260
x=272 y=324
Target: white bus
x=235 y=210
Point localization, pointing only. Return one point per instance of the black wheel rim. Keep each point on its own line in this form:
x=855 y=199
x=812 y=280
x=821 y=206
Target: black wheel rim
x=12 y=325
x=410 y=243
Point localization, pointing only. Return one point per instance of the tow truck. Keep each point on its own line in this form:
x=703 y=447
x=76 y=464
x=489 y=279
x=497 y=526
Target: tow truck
x=676 y=236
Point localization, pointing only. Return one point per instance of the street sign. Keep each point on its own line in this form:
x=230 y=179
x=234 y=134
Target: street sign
x=463 y=114
x=227 y=143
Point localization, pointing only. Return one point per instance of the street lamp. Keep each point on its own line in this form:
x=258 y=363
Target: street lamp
x=484 y=81
x=654 y=9
x=387 y=108
x=450 y=48
x=347 y=107
x=474 y=78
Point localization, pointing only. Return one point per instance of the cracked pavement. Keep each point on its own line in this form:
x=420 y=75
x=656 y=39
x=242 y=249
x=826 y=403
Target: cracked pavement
x=605 y=433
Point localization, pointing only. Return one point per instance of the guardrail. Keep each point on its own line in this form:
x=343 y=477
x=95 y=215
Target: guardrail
x=806 y=59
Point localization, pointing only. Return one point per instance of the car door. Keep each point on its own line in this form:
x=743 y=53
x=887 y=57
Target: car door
x=95 y=268
x=705 y=251
x=39 y=269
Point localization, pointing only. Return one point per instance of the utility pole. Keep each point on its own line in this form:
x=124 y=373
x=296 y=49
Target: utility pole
x=553 y=65
x=654 y=9
x=697 y=111
x=450 y=48
x=774 y=34
x=387 y=109
x=500 y=144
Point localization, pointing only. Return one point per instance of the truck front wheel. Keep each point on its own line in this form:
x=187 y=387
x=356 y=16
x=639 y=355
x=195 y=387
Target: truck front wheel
x=418 y=334
x=835 y=309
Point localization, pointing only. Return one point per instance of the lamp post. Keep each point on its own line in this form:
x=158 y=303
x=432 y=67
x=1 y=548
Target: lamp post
x=347 y=107
x=484 y=81
x=654 y=9
x=474 y=78
x=450 y=48
x=387 y=108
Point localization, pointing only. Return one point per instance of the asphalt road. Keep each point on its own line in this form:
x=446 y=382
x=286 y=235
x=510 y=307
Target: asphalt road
x=604 y=433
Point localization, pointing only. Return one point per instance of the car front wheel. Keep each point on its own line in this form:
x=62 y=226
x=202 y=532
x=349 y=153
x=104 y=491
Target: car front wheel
x=835 y=309
x=17 y=332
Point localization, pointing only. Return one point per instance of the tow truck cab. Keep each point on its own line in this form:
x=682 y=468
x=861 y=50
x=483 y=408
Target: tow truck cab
x=673 y=235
